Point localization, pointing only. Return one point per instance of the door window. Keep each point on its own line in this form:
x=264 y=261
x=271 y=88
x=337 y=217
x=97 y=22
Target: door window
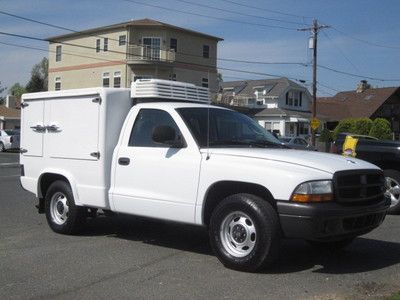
x=146 y=121
x=151 y=48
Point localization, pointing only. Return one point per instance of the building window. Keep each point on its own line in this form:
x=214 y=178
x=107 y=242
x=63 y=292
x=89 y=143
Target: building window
x=174 y=44
x=57 y=82
x=98 y=45
x=106 y=79
x=206 y=51
x=58 y=53
x=117 y=79
x=294 y=98
x=105 y=44
x=204 y=82
x=122 y=40
x=172 y=77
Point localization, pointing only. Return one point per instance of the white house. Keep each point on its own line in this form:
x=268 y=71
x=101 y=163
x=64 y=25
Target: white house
x=279 y=105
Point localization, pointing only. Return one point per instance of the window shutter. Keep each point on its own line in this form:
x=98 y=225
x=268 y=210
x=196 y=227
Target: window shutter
x=301 y=98
x=287 y=98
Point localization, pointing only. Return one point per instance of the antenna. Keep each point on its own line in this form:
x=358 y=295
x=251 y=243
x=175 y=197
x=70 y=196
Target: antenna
x=208 y=123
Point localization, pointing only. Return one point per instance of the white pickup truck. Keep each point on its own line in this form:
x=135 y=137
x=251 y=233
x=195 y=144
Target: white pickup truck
x=161 y=151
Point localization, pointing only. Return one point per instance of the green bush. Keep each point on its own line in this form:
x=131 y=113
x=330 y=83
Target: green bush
x=362 y=126
x=381 y=129
x=344 y=125
x=326 y=136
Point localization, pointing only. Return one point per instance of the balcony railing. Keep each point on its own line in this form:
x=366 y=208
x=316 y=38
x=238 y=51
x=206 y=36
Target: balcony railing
x=141 y=53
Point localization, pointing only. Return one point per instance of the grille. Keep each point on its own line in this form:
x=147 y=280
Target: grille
x=362 y=222
x=359 y=186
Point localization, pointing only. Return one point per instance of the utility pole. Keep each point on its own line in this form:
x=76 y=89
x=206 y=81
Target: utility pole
x=314 y=30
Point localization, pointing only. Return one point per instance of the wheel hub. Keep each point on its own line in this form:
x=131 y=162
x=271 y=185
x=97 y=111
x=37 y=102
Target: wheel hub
x=239 y=233
x=60 y=207
x=392 y=190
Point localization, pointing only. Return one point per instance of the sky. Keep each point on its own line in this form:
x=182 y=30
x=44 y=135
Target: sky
x=363 y=38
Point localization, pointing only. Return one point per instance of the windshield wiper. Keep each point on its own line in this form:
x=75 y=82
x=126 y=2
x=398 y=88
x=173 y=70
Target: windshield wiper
x=235 y=143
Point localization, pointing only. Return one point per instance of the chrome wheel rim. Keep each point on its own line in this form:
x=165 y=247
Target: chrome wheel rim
x=392 y=190
x=59 y=208
x=238 y=234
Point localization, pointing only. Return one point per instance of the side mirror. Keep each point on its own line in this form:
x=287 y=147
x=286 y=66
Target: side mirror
x=166 y=135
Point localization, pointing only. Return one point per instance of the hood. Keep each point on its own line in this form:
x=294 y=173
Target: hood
x=326 y=162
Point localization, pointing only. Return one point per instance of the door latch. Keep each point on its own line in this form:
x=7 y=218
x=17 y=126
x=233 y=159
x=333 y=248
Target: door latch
x=95 y=154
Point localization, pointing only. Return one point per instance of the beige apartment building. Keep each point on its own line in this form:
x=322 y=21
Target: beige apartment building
x=116 y=55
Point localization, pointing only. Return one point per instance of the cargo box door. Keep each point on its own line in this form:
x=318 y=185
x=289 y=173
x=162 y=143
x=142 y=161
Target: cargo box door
x=32 y=128
x=73 y=127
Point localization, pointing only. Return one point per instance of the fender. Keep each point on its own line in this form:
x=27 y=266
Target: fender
x=63 y=173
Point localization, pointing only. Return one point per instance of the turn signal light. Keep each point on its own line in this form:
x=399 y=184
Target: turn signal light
x=305 y=198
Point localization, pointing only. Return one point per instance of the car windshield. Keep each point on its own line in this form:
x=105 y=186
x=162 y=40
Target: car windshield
x=11 y=132
x=227 y=128
x=285 y=140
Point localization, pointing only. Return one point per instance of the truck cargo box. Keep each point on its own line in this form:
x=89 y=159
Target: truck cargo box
x=78 y=128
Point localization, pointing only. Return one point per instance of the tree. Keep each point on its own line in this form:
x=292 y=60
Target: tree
x=17 y=90
x=381 y=129
x=39 y=77
x=2 y=89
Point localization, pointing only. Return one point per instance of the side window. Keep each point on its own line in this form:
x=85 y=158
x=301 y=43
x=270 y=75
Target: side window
x=146 y=121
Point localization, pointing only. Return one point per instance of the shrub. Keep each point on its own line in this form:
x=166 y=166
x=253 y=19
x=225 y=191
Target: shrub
x=381 y=129
x=326 y=136
x=344 y=125
x=362 y=126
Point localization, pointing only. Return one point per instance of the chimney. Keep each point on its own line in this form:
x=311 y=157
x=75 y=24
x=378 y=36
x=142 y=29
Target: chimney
x=362 y=86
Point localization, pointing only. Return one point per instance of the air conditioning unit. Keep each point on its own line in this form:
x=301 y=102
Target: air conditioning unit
x=169 y=90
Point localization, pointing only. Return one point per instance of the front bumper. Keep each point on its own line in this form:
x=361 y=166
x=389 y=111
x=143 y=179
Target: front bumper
x=329 y=221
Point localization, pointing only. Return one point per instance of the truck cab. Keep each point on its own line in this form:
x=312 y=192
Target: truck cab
x=161 y=150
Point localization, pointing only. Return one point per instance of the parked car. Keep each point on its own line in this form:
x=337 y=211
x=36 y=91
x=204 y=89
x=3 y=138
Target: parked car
x=9 y=139
x=383 y=153
x=297 y=143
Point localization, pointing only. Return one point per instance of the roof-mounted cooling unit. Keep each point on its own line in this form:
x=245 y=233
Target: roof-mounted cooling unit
x=169 y=90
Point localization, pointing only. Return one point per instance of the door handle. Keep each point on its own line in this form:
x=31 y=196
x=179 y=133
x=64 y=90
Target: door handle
x=52 y=127
x=38 y=128
x=124 y=161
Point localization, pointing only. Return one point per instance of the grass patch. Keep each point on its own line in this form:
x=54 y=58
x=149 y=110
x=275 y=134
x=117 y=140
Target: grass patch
x=395 y=296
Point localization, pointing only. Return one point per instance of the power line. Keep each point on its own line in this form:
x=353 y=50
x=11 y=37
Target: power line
x=340 y=50
x=264 y=9
x=208 y=16
x=193 y=64
x=328 y=87
x=356 y=75
x=238 y=13
x=365 y=41
x=181 y=53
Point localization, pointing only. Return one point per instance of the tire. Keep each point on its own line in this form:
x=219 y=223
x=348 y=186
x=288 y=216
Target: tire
x=245 y=233
x=2 y=148
x=62 y=215
x=392 y=179
x=332 y=246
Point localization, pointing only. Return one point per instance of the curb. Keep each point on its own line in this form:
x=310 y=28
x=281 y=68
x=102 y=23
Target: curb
x=9 y=165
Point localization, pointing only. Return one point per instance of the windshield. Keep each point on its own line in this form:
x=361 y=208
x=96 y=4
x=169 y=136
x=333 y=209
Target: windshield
x=12 y=132
x=285 y=140
x=227 y=128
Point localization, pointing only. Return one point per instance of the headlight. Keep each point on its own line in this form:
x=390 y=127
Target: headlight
x=313 y=191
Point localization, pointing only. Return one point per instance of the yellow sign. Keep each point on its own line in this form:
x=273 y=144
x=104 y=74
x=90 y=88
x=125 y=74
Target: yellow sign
x=349 y=146
x=315 y=123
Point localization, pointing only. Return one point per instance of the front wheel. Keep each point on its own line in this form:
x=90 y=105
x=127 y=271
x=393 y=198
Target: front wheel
x=244 y=232
x=392 y=183
x=62 y=215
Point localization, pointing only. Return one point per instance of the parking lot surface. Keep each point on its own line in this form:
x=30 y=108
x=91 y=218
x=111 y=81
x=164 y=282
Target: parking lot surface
x=130 y=257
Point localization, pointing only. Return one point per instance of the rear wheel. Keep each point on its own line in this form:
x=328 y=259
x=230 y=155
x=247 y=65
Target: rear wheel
x=244 y=232
x=63 y=216
x=392 y=182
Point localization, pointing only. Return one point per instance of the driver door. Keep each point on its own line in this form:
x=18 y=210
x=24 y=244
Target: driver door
x=152 y=179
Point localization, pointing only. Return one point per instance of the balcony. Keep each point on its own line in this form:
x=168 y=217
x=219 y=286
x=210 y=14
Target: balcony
x=145 y=54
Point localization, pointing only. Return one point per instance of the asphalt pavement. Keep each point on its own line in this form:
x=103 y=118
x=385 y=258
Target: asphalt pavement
x=129 y=257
